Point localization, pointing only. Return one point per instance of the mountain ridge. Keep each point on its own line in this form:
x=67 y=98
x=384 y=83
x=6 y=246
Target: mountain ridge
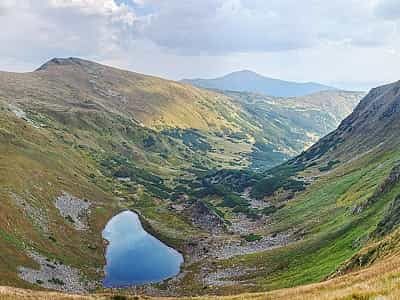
x=125 y=141
x=249 y=81
x=373 y=122
x=82 y=85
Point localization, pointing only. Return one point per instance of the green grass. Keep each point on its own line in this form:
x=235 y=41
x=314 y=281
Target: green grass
x=333 y=233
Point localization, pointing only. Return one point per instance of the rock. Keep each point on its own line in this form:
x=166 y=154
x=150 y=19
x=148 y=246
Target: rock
x=55 y=275
x=73 y=209
x=202 y=216
x=237 y=247
x=385 y=187
x=225 y=277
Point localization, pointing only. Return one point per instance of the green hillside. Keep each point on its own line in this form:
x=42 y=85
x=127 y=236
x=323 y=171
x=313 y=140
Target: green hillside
x=291 y=125
x=337 y=201
x=81 y=142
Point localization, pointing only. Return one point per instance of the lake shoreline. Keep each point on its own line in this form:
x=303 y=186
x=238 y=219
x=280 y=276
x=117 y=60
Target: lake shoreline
x=134 y=256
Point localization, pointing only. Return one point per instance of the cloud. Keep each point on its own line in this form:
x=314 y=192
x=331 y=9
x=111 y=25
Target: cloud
x=51 y=28
x=235 y=26
x=192 y=27
x=106 y=8
x=388 y=9
x=291 y=39
x=5 y=5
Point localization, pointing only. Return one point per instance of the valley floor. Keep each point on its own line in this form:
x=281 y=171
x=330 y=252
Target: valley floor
x=381 y=281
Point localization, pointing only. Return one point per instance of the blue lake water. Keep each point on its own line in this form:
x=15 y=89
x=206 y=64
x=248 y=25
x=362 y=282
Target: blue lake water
x=134 y=257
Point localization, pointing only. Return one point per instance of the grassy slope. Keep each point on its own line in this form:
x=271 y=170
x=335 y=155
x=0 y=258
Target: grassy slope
x=325 y=216
x=331 y=233
x=38 y=164
x=38 y=172
x=291 y=125
x=75 y=148
x=380 y=280
x=67 y=88
x=237 y=135
x=83 y=137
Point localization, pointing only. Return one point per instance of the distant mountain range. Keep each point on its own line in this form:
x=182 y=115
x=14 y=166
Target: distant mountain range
x=248 y=81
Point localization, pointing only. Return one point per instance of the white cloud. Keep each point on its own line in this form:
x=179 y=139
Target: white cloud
x=107 y=8
x=329 y=41
x=388 y=9
x=229 y=26
x=62 y=28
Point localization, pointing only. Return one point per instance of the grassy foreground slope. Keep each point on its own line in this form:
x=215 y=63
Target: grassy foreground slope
x=377 y=282
x=339 y=201
x=37 y=166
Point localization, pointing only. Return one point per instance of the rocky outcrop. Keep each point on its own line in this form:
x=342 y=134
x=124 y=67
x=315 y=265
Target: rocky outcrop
x=386 y=186
x=225 y=277
x=202 y=216
x=54 y=275
x=75 y=210
x=391 y=220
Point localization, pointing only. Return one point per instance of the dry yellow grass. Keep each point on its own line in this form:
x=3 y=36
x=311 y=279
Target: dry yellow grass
x=7 y=293
x=381 y=281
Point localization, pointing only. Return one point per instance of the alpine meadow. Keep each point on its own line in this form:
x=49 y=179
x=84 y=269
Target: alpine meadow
x=216 y=150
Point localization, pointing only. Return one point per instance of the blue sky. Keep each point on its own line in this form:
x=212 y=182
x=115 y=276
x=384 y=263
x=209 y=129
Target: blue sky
x=353 y=44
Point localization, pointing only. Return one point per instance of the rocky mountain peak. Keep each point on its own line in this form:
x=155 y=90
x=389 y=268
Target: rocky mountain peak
x=63 y=62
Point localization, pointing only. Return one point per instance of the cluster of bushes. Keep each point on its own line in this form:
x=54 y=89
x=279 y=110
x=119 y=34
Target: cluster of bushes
x=267 y=187
x=279 y=178
x=137 y=174
x=190 y=137
x=120 y=167
x=251 y=213
x=149 y=141
x=56 y=281
x=252 y=237
x=329 y=166
x=269 y=210
x=232 y=200
x=232 y=180
x=264 y=156
x=216 y=210
x=239 y=205
x=238 y=135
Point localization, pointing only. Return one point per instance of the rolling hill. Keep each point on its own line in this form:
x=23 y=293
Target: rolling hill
x=229 y=131
x=80 y=141
x=248 y=81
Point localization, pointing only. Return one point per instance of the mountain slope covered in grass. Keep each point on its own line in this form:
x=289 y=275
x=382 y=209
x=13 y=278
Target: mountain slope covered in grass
x=338 y=200
x=379 y=280
x=291 y=125
x=248 y=81
x=80 y=142
x=228 y=131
